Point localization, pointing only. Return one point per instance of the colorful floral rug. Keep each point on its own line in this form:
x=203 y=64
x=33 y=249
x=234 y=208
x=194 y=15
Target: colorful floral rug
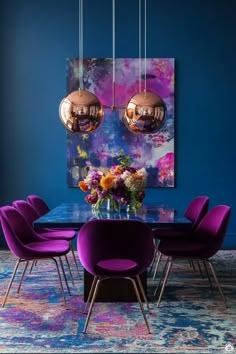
x=191 y=317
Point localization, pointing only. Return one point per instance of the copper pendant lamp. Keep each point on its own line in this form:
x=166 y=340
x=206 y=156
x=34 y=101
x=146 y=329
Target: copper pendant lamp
x=145 y=112
x=81 y=111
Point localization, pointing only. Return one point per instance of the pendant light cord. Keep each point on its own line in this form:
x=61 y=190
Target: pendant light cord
x=81 y=85
x=113 y=54
x=140 y=42
x=145 y=46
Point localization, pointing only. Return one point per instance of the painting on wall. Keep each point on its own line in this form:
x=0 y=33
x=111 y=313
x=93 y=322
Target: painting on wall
x=101 y=148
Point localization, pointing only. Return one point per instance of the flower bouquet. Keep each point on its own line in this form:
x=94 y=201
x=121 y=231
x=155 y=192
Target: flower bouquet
x=121 y=185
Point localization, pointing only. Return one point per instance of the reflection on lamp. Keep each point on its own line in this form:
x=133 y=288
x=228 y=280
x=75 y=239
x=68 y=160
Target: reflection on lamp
x=81 y=112
x=145 y=113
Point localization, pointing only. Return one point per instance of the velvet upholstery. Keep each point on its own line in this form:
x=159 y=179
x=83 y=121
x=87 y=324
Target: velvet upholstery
x=208 y=239
x=27 y=246
x=194 y=212
x=39 y=204
x=23 y=241
x=115 y=248
x=113 y=240
x=30 y=214
x=41 y=207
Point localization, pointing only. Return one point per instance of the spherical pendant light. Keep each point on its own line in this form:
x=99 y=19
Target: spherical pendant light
x=81 y=112
x=145 y=113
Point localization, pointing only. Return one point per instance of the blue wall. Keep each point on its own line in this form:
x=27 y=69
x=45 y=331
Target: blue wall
x=38 y=36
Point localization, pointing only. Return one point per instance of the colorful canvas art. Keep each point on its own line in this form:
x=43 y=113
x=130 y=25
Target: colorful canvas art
x=100 y=149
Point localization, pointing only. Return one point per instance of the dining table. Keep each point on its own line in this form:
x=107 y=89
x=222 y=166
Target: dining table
x=74 y=215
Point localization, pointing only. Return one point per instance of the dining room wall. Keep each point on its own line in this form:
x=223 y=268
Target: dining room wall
x=36 y=38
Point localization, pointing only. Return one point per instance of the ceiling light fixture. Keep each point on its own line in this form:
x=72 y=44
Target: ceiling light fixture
x=146 y=111
x=81 y=111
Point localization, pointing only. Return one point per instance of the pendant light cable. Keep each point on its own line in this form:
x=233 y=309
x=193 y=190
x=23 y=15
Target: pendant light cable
x=81 y=111
x=145 y=46
x=140 y=41
x=113 y=54
x=81 y=85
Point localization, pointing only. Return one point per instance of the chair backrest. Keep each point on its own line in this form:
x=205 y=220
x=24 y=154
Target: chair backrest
x=17 y=231
x=196 y=210
x=213 y=227
x=26 y=209
x=39 y=204
x=115 y=238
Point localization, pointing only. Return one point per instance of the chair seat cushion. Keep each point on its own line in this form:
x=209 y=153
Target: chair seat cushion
x=46 y=249
x=117 y=265
x=54 y=234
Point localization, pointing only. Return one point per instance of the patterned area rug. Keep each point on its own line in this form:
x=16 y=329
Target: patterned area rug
x=191 y=317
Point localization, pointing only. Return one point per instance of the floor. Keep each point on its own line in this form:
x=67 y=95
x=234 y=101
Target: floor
x=191 y=317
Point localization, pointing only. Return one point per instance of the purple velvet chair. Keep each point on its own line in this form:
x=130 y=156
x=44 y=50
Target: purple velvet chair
x=28 y=211
x=195 y=211
x=39 y=204
x=203 y=244
x=27 y=246
x=115 y=249
x=42 y=208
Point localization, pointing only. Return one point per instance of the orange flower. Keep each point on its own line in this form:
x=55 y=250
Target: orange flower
x=83 y=186
x=107 y=182
x=118 y=170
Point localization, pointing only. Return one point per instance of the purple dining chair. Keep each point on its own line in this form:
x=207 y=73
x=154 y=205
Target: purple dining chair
x=195 y=211
x=42 y=208
x=28 y=211
x=27 y=246
x=205 y=242
x=112 y=248
x=39 y=204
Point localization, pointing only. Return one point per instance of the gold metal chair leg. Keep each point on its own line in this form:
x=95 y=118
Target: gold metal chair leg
x=64 y=274
x=11 y=281
x=68 y=265
x=95 y=278
x=164 y=282
x=31 y=268
x=142 y=291
x=192 y=265
x=207 y=273
x=217 y=282
x=34 y=263
x=161 y=276
x=91 y=305
x=154 y=258
x=22 y=276
x=60 y=281
x=157 y=265
x=140 y=303
x=200 y=269
x=75 y=260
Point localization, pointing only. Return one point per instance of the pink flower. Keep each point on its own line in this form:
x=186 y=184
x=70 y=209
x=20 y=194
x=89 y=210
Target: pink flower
x=166 y=168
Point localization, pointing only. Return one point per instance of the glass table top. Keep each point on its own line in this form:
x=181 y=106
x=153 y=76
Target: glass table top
x=74 y=215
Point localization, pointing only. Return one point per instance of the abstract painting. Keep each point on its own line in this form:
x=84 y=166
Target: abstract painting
x=100 y=149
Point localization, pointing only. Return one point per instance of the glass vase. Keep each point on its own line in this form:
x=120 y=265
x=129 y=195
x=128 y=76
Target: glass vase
x=134 y=204
x=112 y=204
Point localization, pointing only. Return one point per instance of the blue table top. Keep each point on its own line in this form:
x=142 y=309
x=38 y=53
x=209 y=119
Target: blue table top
x=74 y=215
